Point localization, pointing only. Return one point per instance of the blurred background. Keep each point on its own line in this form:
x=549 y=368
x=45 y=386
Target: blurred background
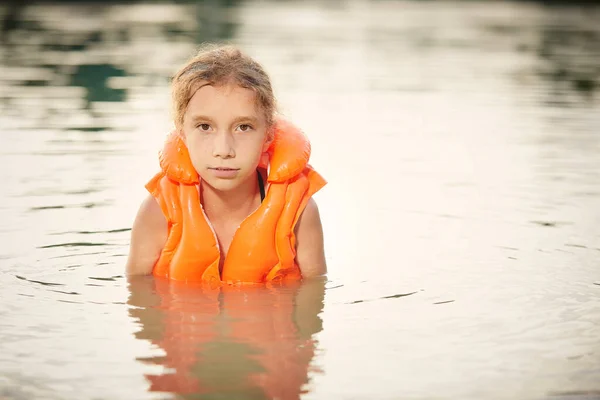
x=461 y=144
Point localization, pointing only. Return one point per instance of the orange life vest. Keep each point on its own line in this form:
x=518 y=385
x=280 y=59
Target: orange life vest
x=263 y=247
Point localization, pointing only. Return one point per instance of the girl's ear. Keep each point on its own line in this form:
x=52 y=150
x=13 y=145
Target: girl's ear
x=269 y=139
x=181 y=134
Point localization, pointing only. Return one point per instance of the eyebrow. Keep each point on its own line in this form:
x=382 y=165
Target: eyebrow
x=251 y=119
x=195 y=118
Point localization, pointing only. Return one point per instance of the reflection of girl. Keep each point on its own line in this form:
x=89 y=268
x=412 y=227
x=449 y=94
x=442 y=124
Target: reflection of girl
x=233 y=201
x=250 y=342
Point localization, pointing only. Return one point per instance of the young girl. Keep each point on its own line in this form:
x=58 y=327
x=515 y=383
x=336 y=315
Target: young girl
x=233 y=201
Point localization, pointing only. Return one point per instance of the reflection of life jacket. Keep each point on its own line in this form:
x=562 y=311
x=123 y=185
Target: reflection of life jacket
x=230 y=341
x=263 y=247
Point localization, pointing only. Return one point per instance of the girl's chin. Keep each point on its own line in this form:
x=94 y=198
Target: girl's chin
x=222 y=185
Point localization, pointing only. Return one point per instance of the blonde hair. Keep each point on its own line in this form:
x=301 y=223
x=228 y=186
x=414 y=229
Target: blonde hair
x=219 y=65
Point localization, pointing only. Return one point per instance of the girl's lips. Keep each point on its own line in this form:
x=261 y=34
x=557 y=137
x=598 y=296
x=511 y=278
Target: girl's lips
x=223 y=172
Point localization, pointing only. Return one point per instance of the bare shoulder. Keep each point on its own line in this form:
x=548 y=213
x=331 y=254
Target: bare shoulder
x=310 y=249
x=148 y=236
x=311 y=212
x=150 y=212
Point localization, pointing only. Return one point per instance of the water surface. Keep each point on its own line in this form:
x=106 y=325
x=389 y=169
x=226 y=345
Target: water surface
x=462 y=219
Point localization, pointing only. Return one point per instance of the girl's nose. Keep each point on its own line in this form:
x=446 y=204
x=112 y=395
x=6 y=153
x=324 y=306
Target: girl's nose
x=223 y=146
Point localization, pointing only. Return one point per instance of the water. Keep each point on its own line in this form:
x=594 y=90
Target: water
x=462 y=218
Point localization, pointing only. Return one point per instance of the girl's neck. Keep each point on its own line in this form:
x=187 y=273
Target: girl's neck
x=233 y=205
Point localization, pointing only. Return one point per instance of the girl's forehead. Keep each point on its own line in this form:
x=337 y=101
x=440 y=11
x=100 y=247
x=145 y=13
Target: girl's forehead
x=226 y=97
x=227 y=90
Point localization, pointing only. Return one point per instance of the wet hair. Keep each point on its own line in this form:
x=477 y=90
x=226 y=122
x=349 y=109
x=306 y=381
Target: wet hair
x=220 y=65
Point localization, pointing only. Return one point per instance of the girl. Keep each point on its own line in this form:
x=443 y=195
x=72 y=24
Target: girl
x=233 y=201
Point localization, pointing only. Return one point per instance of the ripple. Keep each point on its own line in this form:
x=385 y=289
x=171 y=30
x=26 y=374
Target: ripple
x=334 y=287
x=75 y=206
x=38 y=282
x=73 y=244
x=69 y=293
x=69 y=301
x=575 y=245
x=37 y=192
x=46 y=208
x=445 y=302
x=76 y=255
x=112 y=278
x=91 y=232
x=394 y=296
x=551 y=223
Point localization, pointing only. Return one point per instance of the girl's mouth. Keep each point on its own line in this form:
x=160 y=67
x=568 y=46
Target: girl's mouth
x=225 y=172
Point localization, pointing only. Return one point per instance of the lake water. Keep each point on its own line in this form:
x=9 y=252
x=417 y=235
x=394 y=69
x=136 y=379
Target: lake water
x=462 y=215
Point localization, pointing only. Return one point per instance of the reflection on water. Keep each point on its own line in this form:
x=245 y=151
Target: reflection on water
x=233 y=342
x=460 y=140
x=570 y=59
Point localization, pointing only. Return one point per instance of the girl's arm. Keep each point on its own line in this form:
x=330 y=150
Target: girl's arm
x=310 y=253
x=148 y=237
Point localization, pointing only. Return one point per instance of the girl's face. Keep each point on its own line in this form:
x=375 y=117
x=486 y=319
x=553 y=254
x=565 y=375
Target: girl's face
x=226 y=133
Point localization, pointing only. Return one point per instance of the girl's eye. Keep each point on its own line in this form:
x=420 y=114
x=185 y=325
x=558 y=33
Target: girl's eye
x=204 y=127
x=245 y=127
